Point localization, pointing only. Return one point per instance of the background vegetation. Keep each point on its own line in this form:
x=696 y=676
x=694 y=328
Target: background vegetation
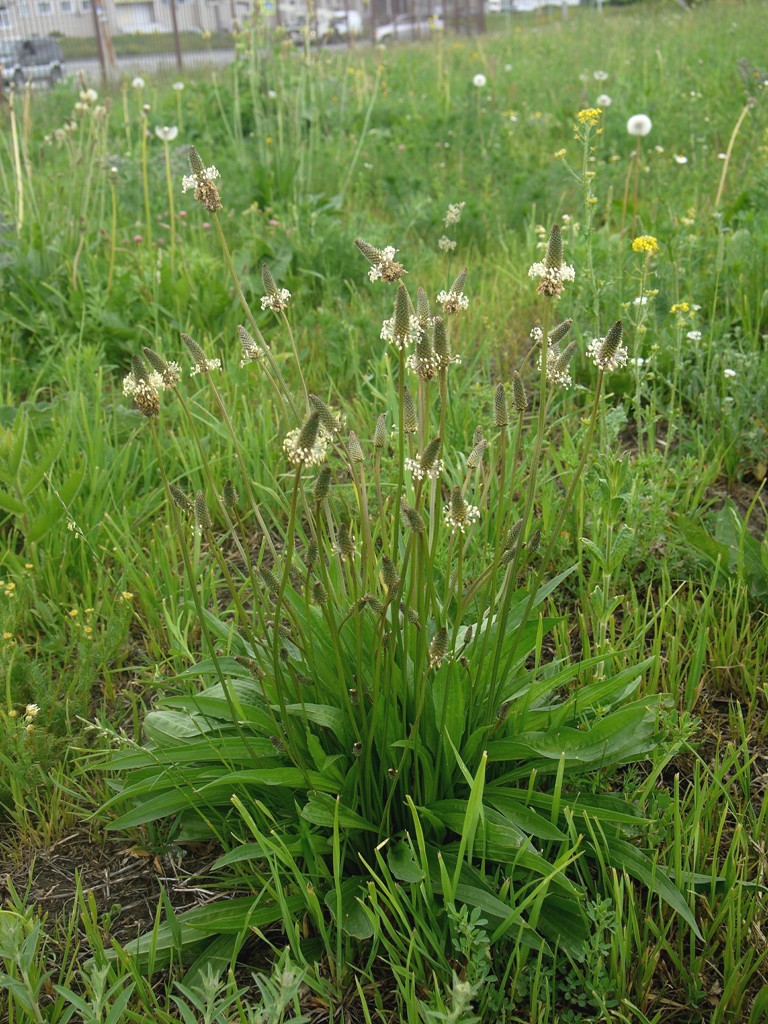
x=100 y=254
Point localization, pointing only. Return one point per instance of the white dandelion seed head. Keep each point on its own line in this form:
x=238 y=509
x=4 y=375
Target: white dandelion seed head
x=600 y=76
x=603 y=100
x=479 y=81
x=639 y=125
x=166 y=133
x=138 y=82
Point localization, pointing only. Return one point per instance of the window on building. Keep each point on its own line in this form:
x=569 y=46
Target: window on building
x=85 y=5
x=24 y=10
x=44 y=7
x=66 y=6
x=5 y=18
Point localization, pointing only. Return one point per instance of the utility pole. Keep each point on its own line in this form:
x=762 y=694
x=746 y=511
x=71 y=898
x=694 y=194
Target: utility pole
x=175 y=28
x=95 y=11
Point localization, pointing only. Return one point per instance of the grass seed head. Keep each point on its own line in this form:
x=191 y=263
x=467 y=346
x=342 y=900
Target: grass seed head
x=411 y=517
x=388 y=574
x=354 y=448
x=410 y=420
x=180 y=499
x=322 y=485
x=230 y=496
x=557 y=334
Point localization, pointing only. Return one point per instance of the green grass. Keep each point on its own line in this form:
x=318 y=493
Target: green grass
x=666 y=527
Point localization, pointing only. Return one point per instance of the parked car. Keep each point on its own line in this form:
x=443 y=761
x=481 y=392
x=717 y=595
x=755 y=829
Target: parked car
x=33 y=60
x=327 y=26
x=408 y=26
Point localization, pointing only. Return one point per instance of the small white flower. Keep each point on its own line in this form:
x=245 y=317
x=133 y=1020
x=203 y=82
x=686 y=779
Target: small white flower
x=178 y=86
x=277 y=301
x=452 y=301
x=138 y=82
x=479 y=81
x=536 y=335
x=453 y=214
x=421 y=472
x=556 y=372
x=604 y=361
x=603 y=100
x=166 y=133
x=679 y=158
x=193 y=180
x=641 y=300
x=693 y=335
x=507 y=67
x=205 y=366
x=31 y=711
x=552 y=278
x=387 y=268
x=89 y=95
x=400 y=339
x=638 y=362
x=600 y=76
x=722 y=156
x=460 y=514
x=659 y=149
x=639 y=125
x=446 y=244
x=729 y=373
x=304 y=456
x=271 y=94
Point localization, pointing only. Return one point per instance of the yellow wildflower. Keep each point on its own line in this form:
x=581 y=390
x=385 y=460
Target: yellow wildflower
x=126 y=595
x=73 y=613
x=680 y=307
x=559 y=154
x=645 y=243
x=591 y=115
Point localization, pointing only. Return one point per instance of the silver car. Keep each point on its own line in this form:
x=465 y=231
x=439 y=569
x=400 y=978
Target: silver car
x=31 y=60
x=409 y=26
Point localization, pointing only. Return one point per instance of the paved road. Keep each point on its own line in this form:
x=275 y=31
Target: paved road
x=152 y=63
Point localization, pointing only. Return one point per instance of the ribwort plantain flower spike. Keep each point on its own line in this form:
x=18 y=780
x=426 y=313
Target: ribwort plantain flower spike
x=354 y=448
x=384 y=267
x=276 y=299
x=438 y=647
x=500 y=408
x=411 y=517
x=253 y=350
x=429 y=464
x=345 y=542
x=608 y=353
x=170 y=373
x=403 y=329
x=202 y=181
x=553 y=271
x=459 y=514
x=328 y=421
x=202 y=515
x=306 y=446
x=557 y=334
x=423 y=312
x=143 y=386
x=519 y=397
x=319 y=593
x=229 y=496
x=454 y=299
x=380 y=432
x=475 y=457
x=389 y=576
x=410 y=419
x=423 y=362
x=322 y=485
x=180 y=499
x=442 y=345
x=202 y=363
